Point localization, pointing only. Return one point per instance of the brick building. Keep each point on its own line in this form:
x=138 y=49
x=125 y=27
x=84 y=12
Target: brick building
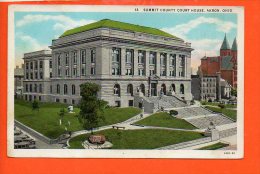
x=225 y=63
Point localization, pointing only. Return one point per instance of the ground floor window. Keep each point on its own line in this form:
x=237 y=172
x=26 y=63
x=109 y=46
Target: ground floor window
x=40 y=98
x=65 y=100
x=57 y=100
x=131 y=103
x=30 y=98
x=73 y=102
x=117 y=103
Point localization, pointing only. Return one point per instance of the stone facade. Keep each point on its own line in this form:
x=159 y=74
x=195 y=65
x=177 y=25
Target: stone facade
x=123 y=63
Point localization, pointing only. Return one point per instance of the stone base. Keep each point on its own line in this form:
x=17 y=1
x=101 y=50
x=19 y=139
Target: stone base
x=214 y=134
x=87 y=145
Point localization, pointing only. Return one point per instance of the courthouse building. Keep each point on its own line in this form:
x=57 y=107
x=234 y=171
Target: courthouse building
x=123 y=59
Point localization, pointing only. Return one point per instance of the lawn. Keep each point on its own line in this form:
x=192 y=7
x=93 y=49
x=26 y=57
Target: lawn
x=216 y=104
x=214 y=146
x=139 y=139
x=46 y=121
x=228 y=112
x=164 y=119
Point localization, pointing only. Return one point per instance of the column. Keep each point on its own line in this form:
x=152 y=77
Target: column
x=147 y=73
x=78 y=63
x=123 y=54
x=135 y=63
x=158 y=64
x=167 y=64
x=177 y=65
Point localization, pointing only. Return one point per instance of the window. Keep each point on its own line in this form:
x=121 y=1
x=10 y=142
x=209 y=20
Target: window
x=58 y=89
x=67 y=59
x=35 y=87
x=182 y=60
x=83 y=56
x=163 y=59
x=27 y=75
x=72 y=101
x=36 y=65
x=142 y=88
x=40 y=88
x=130 y=89
x=182 y=89
x=64 y=100
x=74 y=57
x=36 y=75
x=51 y=89
x=93 y=70
x=152 y=58
x=59 y=59
x=41 y=75
x=40 y=98
x=115 y=71
x=41 y=64
x=172 y=73
x=152 y=72
x=27 y=66
x=26 y=87
x=50 y=74
x=59 y=72
x=73 y=90
x=116 y=54
x=117 y=90
x=141 y=56
x=141 y=72
x=163 y=73
x=65 y=89
x=129 y=71
x=67 y=72
x=30 y=87
x=172 y=59
x=74 y=71
x=57 y=100
x=129 y=56
x=83 y=71
x=31 y=75
x=50 y=64
x=93 y=55
x=31 y=65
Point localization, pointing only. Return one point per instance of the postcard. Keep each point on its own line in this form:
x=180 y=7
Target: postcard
x=110 y=81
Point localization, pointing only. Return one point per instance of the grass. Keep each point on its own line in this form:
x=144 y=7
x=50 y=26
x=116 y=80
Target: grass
x=139 y=139
x=46 y=121
x=164 y=119
x=106 y=23
x=228 y=112
x=214 y=146
x=216 y=104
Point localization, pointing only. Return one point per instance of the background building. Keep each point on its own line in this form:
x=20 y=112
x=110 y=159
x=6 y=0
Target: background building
x=226 y=63
x=18 y=81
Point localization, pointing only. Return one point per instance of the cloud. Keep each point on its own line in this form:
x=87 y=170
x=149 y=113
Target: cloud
x=62 y=22
x=182 y=30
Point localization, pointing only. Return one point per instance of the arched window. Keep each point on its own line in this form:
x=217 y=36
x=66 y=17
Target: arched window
x=130 y=89
x=182 y=89
x=73 y=90
x=117 y=90
x=173 y=87
x=163 y=89
x=65 y=89
x=142 y=88
x=58 y=89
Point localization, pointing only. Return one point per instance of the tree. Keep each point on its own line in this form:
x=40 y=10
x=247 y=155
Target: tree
x=62 y=113
x=35 y=105
x=91 y=108
x=234 y=92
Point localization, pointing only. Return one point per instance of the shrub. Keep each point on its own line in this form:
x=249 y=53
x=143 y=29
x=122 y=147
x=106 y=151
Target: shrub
x=203 y=103
x=210 y=100
x=222 y=106
x=173 y=112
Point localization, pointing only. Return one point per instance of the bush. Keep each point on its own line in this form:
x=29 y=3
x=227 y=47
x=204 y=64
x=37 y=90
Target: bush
x=210 y=100
x=222 y=106
x=173 y=112
x=203 y=103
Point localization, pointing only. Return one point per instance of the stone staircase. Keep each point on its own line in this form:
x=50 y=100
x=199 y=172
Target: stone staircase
x=192 y=112
x=204 y=122
x=166 y=102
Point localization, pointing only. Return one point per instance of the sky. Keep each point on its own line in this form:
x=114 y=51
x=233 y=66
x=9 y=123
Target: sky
x=35 y=30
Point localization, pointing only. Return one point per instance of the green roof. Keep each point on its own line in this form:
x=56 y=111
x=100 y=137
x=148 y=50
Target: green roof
x=226 y=63
x=225 y=44
x=234 y=45
x=107 y=23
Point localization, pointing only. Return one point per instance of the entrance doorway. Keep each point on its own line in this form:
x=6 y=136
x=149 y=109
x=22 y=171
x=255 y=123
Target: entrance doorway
x=153 y=89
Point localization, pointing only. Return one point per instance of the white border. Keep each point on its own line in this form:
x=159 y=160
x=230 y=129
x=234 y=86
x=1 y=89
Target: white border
x=76 y=153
